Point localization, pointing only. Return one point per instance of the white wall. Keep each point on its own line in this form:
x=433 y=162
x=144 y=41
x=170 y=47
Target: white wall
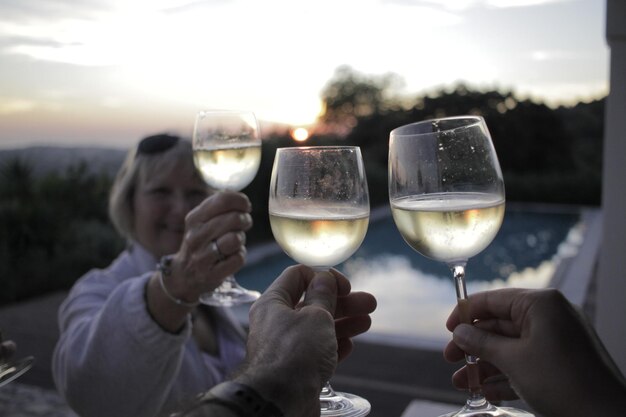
x=611 y=295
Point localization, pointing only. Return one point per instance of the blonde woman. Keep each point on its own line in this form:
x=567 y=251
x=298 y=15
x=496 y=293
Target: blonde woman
x=134 y=340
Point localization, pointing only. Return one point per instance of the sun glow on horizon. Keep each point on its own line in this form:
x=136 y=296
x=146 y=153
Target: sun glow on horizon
x=300 y=134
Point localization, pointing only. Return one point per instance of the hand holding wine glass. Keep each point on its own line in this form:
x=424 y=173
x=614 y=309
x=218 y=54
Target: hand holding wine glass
x=9 y=369
x=447 y=199
x=227 y=151
x=319 y=214
x=538 y=346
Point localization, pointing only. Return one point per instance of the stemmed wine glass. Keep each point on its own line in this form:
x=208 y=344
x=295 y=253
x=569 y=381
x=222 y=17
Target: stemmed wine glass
x=447 y=199
x=319 y=214
x=9 y=370
x=227 y=151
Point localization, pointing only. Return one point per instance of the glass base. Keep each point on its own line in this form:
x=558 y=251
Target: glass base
x=11 y=370
x=342 y=404
x=489 y=410
x=229 y=294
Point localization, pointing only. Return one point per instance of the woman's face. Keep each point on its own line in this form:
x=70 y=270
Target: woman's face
x=161 y=203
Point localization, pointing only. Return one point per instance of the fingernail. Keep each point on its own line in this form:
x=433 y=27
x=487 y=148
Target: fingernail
x=462 y=333
x=324 y=282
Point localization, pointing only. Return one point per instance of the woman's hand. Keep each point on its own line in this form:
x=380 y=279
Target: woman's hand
x=213 y=247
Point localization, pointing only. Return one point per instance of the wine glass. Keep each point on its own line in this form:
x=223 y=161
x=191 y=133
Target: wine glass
x=447 y=200
x=9 y=370
x=319 y=214
x=227 y=152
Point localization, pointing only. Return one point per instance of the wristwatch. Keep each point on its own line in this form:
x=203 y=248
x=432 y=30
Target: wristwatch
x=240 y=399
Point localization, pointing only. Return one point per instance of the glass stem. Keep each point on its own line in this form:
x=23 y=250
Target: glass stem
x=476 y=398
x=327 y=390
x=329 y=400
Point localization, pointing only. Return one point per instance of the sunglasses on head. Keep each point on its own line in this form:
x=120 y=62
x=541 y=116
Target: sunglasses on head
x=156 y=144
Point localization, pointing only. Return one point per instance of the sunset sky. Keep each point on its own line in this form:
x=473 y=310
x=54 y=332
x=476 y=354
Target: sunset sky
x=107 y=72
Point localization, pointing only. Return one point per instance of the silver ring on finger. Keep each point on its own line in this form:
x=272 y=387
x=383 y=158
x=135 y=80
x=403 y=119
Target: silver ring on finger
x=216 y=251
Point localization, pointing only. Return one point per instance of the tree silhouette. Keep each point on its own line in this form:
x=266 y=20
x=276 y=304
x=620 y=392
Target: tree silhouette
x=52 y=229
x=546 y=154
x=350 y=97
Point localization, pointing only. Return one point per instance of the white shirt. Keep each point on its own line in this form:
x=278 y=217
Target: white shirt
x=114 y=360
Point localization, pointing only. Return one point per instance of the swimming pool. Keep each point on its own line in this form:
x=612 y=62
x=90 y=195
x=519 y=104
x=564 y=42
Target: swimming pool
x=415 y=294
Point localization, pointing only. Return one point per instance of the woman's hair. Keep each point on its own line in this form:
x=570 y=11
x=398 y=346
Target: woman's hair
x=157 y=153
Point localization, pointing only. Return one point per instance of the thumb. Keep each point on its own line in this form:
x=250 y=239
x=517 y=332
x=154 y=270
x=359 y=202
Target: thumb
x=478 y=342
x=322 y=292
x=7 y=349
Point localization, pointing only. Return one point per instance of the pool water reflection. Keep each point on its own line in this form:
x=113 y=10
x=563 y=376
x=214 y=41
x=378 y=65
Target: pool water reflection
x=416 y=294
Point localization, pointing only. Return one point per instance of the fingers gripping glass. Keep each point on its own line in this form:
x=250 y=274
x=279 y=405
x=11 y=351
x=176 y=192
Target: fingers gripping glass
x=227 y=152
x=447 y=199
x=319 y=214
x=9 y=370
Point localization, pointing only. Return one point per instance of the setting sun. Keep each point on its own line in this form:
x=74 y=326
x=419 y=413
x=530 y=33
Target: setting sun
x=300 y=134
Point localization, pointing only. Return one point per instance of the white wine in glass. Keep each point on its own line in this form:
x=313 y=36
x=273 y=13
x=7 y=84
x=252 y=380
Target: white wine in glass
x=447 y=199
x=320 y=240
x=227 y=151
x=319 y=214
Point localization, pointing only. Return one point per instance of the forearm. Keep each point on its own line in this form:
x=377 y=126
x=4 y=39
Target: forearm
x=605 y=391
x=578 y=385
x=165 y=312
x=111 y=348
x=290 y=390
x=603 y=387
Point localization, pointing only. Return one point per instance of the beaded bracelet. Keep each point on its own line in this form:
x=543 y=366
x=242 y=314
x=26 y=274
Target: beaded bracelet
x=165 y=269
x=240 y=399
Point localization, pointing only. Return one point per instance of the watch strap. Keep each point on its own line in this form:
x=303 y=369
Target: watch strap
x=241 y=399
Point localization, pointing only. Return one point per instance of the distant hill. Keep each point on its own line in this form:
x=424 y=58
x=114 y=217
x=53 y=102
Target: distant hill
x=46 y=159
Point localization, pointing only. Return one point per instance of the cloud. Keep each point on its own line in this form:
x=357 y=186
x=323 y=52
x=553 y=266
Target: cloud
x=185 y=6
x=501 y=4
x=459 y=5
x=54 y=31
x=220 y=53
x=16 y=106
x=551 y=55
x=25 y=10
x=120 y=33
